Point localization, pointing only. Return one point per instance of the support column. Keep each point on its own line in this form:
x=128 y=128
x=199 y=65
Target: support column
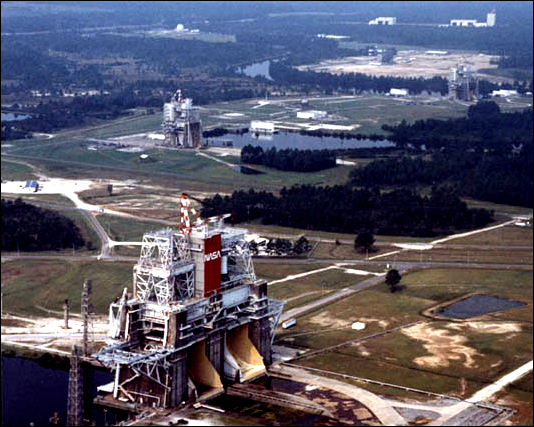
x=179 y=378
x=259 y=332
x=215 y=350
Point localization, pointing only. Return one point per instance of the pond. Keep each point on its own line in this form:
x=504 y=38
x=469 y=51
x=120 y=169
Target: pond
x=258 y=69
x=10 y=117
x=476 y=305
x=283 y=140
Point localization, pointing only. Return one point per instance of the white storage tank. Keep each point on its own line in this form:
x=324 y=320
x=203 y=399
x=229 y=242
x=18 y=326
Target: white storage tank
x=169 y=113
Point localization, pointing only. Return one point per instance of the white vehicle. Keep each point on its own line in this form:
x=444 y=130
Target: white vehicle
x=289 y=323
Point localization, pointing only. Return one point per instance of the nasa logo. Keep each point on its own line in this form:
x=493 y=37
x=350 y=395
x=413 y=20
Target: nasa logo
x=212 y=256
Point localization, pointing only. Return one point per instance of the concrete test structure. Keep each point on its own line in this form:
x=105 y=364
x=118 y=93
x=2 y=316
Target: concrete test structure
x=182 y=126
x=198 y=317
x=463 y=83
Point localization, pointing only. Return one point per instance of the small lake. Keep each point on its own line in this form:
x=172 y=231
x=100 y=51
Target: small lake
x=32 y=393
x=11 y=117
x=258 y=69
x=283 y=140
x=476 y=306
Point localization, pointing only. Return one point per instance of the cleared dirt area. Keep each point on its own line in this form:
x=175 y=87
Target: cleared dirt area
x=445 y=346
x=408 y=63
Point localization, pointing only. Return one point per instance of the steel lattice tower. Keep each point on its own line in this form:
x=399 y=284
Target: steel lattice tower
x=75 y=394
x=86 y=295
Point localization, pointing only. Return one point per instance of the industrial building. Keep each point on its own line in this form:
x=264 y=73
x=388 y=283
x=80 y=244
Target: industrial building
x=490 y=21
x=262 y=127
x=198 y=317
x=382 y=20
x=182 y=126
x=311 y=114
x=385 y=56
x=504 y=92
x=398 y=92
x=463 y=83
x=31 y=186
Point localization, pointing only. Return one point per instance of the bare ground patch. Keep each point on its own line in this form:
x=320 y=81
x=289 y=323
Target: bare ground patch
x=444 y=346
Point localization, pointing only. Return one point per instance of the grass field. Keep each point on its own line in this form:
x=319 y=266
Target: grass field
x=510 y=235
x=346 y=251
x=267 y=272
x=186 y=166
x=321 y=283
x=491 y=256
x=122 y=229
x=473 y=353
x=29 y=284
x=41 y=198
x=16 y=171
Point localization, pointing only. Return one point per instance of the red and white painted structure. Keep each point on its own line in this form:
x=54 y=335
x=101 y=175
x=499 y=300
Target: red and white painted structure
x=197 y=315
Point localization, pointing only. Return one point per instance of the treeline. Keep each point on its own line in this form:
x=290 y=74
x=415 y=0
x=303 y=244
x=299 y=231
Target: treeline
x=485 y=126
x=357 y=82
x=29 y=228
x=289 y=159
x=342 y=135
x=496 y=177
x=348 y=210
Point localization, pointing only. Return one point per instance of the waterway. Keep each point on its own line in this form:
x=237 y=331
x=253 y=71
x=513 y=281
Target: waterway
x=258 y=69
x=283 y=140
x=10 y=117
x=32 y=393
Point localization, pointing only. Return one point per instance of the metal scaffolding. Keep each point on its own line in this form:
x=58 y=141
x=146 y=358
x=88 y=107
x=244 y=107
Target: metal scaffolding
x=165 y=270
x=75 y=393
x=195 y=291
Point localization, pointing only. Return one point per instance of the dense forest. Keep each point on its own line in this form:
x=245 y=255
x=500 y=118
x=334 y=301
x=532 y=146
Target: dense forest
x=348 y=210
x=486 y=155
x=493 y=176
x=29 y=228
x=484 y=127
x=289 y=159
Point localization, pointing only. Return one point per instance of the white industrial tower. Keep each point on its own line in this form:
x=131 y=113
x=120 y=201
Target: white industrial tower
x=181 y=122
x=491 y=17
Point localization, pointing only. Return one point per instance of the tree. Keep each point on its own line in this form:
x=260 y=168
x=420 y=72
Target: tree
x=301 y=246
x=364 y=242
x=392 y=279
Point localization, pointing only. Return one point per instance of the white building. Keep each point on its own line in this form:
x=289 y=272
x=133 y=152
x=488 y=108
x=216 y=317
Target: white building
x=257 y=126
x=398 y=92
x=383 y=20
x=490 y=21
x=311 y=115
x=437 y=52
x=504 y=92
x=463 y=22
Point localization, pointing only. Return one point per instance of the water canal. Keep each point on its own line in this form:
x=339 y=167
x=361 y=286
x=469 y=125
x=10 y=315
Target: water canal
x=31 y=393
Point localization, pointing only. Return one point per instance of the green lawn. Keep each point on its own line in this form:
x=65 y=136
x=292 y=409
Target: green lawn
x=393 y=357
x=16 y=171
x=27 y=284
x=510 y=235
x=122 y=229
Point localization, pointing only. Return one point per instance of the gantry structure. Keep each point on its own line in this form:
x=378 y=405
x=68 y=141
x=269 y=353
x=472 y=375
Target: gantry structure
x=198 y=316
